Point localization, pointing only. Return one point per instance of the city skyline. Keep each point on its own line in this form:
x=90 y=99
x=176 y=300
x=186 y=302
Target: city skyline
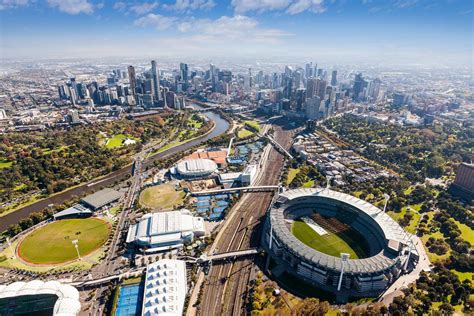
x=392 y=32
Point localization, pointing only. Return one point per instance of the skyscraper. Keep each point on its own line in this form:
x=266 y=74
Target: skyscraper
x=321 y=88
x=183 y=74
x=334 y=78
x=156 y=80
x=132 y=79
x=358 y=86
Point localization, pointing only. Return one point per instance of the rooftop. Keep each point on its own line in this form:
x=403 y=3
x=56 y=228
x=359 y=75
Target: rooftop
x=101 y=198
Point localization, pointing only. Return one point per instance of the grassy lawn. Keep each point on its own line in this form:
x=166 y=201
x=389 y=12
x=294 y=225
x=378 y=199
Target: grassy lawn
x=253 y=124
x=161 y=196
x=5 y=163
x=292 y=174
x=466 y=232
x=244 y=133
x=415 y=208
x=117 y=140
x=308 y=184
x=52 y=244
x=331 y=244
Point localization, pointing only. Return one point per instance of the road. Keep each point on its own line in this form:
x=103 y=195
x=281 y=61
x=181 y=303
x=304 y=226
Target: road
x=221 y=126
x=226 y=287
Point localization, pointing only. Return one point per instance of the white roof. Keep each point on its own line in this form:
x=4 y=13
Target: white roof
x=196 y=167
x=165 y=288
x=68 y=303
x=161 y=227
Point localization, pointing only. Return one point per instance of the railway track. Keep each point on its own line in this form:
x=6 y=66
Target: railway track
x=226 y=287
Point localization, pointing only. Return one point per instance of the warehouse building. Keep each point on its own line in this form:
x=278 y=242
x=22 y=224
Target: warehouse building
x=166 y=230
x=101 y=198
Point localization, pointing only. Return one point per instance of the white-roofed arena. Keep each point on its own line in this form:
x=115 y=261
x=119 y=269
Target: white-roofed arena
x=192 y=168
x=386 y=243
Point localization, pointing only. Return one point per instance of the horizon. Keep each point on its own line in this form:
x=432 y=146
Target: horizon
x=399 y=32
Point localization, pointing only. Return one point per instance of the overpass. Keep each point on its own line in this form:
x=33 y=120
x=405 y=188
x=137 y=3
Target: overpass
x=222 y=256
x=261 y=188
x=278 y=147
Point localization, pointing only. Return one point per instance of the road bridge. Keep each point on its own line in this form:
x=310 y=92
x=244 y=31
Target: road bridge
x=261 y=188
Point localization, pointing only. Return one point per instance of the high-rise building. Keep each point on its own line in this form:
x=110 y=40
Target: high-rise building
x=358 y=86
x=300 y=99
x=132 y=79
x=312 y=107
x=334 y=78
x=311 y=87
x=373 y=90
x=155 y=74
x=309 y=70
x=321 y=88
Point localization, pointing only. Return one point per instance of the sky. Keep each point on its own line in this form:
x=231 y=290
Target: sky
x=378 y=31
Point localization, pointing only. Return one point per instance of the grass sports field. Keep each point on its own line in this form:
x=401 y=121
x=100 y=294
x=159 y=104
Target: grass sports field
x=162 y=196
x=52 y=244
x=332 y=244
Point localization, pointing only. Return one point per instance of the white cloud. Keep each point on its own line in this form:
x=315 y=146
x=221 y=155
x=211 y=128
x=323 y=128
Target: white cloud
x=157 y=21
x=316 y=6
x=121 y=6
x=185 y=5
x=144 y=7
x=12 y=4
x=72 y=6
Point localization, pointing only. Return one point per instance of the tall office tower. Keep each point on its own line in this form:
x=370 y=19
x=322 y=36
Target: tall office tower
x=62 y=92
x=373 y=90
x=311 y=87
x=300 y=98
x=132 y=79
x=288 y=71
x=287 y=87
x=309 y=70
x=72 y=95
x=297 y=75
x=312 y=107
x=155 y=74
x=320 y=73
x=358 y=86
x=250 y=76
x=315 y=72
x=334 y=78
x=321 y=88
x=213 y=75
x=183 y=74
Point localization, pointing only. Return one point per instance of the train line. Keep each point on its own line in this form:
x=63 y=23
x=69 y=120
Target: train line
x=226 y=287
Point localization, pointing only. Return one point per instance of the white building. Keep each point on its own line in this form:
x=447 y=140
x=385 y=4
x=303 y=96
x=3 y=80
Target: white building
x=196 y=167
x=165 y=288
x=166 y=230
x=248 y=175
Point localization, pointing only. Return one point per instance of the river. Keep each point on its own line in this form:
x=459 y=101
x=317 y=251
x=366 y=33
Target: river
x=221 y=126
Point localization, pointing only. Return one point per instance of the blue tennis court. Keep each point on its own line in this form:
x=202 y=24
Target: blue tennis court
x=222 y=203
x=203 y=203
x=129 y=301
x=214 y=217
x=218 y=210
x=204 y=198
x=222 y=196
x=202 y=210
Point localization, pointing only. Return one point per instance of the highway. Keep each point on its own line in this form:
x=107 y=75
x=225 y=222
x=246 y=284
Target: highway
x=226 y=287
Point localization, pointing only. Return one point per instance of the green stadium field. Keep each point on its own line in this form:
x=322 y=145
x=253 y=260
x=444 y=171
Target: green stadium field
x=331 y=244
x=52 y=243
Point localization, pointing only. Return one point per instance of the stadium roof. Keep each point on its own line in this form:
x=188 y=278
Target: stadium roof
x=391 y=230
x=196 y=167
x=101 y=198
x=165 y=288
x=76 y=209
x=67 y=304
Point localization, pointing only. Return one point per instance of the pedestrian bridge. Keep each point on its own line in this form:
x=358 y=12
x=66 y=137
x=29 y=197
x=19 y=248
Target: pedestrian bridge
x=261 y=188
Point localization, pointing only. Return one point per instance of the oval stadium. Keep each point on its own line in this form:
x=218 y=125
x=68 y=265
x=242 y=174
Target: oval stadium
x=336 y=242
x=193 y=168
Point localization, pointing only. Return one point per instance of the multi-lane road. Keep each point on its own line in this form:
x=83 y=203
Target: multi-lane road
x=226 y=287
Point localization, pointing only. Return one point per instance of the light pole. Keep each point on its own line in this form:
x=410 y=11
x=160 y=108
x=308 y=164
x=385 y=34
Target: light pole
x=387 y=197
x=75 y=242
x=11 y=248
x=269 y=244
x=344 y=258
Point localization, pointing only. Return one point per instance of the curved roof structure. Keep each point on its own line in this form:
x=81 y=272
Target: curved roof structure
x=67 y=304
x=196 y=167
x=379 y=262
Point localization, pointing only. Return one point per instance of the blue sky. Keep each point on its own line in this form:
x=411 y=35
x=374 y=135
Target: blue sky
x=382 y=31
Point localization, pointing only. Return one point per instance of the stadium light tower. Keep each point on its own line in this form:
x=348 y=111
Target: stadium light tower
x=344 y=258
x=11 y=248
x=387 y=197
x=328 y=182
x=267 y=264
x=75 y=242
